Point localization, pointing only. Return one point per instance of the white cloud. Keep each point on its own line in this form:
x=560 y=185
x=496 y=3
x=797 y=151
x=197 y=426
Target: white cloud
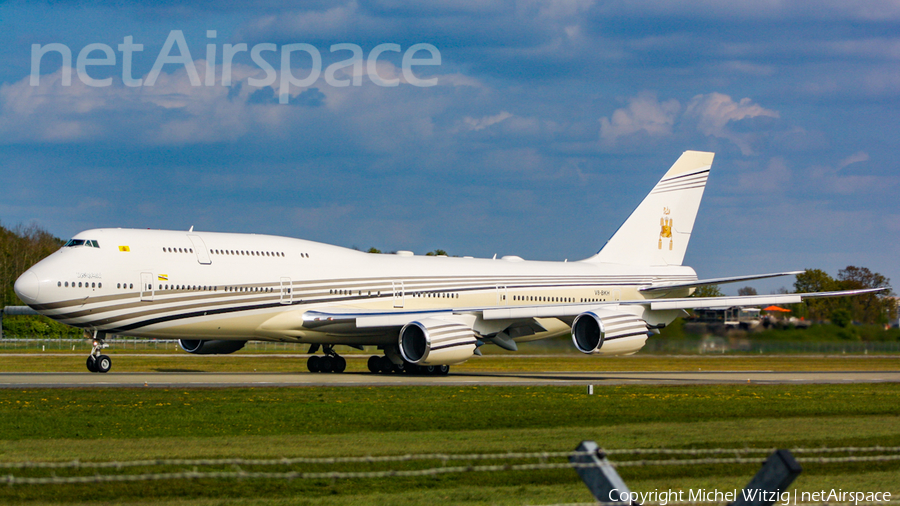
x=486 y=121
x=336 y=21
x=170 y=112
x=644 y=114
x=775 y=178
x=748 y=68
x=869 y=10
x=715 y=111
x=832 y=179
x=858 y=157
x=175 y=112
x=711 y=114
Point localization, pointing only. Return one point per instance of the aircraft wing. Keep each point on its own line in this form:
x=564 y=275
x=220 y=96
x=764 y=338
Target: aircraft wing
x=449 y=336
x=666 y=287
x=748 y=300
x=370 y=319
x=398 y=317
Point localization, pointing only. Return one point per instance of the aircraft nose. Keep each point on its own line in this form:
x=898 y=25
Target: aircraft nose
x=28 y=287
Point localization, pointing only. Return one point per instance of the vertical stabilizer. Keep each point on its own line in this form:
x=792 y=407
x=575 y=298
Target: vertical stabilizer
x=657 y=232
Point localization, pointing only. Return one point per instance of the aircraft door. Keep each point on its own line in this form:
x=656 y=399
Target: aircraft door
x=399 y=296
x=200 y=249
x=501 y=296
x=147 y=286
x=287 y=293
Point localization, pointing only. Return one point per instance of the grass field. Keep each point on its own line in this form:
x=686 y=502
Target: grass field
x=128 y=424
x=183 y=362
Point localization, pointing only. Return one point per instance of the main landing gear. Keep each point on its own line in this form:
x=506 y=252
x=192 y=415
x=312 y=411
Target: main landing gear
x=384 y=365
x=97 y=362
x=330 y=362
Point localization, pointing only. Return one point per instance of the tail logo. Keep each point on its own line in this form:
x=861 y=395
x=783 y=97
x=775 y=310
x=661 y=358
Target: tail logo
x=665 y=228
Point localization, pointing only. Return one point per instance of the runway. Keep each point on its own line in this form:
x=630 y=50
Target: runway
x=253 y=379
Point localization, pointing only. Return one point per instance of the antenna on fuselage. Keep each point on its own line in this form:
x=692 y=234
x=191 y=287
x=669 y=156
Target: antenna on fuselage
x=191 y=229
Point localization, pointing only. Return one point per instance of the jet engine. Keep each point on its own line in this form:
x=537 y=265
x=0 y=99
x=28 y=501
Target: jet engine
x=210 y=347
x=433 y=341
x=603 y=332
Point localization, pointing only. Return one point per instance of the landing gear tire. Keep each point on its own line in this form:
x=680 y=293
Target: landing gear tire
x=384 y=365
x=340 y=364
x=387 y=366
x=96 y=361
x=313 y=363
x=374 y=364
x=103 y=364
x=329 y=363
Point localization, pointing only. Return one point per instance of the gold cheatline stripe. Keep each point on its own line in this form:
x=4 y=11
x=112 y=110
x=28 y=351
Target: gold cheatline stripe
x=205 y=296
x=355 y=283
x=179 y=309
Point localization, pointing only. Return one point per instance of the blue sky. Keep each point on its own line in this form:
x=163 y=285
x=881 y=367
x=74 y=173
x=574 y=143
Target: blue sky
x=549 y=123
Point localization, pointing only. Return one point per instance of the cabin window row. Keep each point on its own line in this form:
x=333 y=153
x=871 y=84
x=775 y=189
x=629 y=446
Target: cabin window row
x=130 y=286
x=350 y=292
x=542 y=298
x=197 y=288
x=256 y=289
x=247 y=253
x=79 y=285
x=436 y=295
x=231 y=252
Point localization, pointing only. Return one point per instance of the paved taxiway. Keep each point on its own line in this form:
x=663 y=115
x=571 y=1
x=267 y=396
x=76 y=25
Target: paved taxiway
x=260 y=379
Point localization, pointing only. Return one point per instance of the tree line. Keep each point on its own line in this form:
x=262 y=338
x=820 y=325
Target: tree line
x=878 y=308
x=20 y=248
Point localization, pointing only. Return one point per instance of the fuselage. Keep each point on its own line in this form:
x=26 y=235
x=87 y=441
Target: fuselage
x=204 y=285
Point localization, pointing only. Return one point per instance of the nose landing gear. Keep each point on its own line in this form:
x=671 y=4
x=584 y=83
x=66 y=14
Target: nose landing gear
x=96 y=361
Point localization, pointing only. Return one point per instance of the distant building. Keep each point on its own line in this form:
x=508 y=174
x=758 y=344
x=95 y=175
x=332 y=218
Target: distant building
x=732 y=317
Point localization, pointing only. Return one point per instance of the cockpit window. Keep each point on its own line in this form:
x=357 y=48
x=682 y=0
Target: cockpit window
x=90 y=243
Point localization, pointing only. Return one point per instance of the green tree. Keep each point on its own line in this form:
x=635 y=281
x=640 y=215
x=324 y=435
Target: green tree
x=708 y=291
x=747 y=290
x=437 y=252
x=870 y=308
x=812 y=281
x=373 y=250
x=20 y=248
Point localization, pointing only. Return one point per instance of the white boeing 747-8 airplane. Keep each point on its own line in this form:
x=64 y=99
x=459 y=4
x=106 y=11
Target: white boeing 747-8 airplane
x=215 y=291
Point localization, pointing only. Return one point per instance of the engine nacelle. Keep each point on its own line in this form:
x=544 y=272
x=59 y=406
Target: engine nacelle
x=432 y=341
x=210 y=347
x=604 y=332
